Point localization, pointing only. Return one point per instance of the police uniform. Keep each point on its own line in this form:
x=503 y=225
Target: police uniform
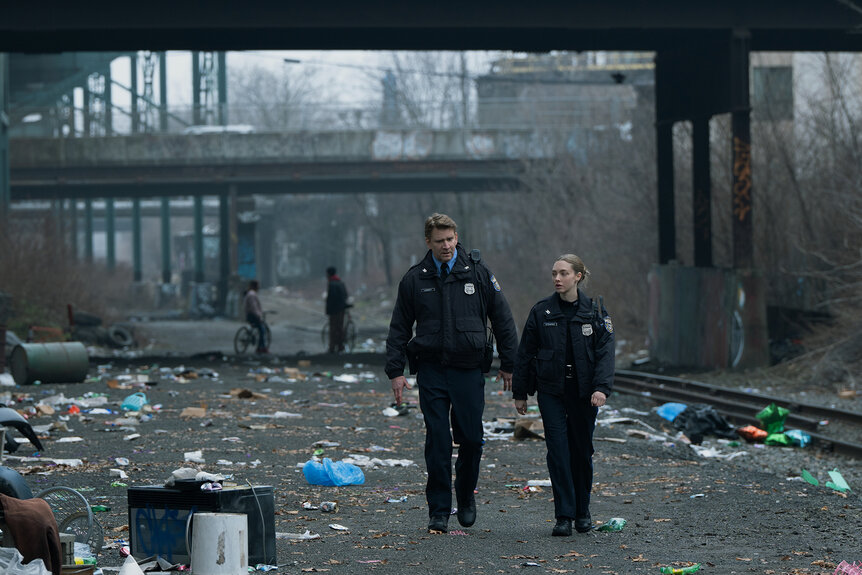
x=564 y=390
x=446 y=354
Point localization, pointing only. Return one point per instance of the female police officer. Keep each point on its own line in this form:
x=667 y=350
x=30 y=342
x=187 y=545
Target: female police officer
x=566 y=354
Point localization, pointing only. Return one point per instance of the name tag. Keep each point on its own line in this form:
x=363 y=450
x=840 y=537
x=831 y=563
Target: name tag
x=550 y=324
x=426 y=290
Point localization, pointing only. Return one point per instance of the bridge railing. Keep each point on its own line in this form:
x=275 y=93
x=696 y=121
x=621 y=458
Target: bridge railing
x=95 y=120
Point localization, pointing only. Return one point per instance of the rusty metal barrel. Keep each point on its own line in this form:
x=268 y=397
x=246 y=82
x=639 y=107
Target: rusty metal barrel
x=64 y=362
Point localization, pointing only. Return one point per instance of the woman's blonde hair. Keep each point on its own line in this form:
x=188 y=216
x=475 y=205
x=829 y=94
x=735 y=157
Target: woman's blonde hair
x=577 y=265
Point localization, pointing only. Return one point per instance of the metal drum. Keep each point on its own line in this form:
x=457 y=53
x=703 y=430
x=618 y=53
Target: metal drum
x=65 y=362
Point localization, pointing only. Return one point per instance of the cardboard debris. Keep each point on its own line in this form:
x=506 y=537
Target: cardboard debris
x=194 y=412
x=529 y=429
x=247 y=394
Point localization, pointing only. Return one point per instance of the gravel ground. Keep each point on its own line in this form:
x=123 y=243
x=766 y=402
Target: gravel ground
x=745 y=514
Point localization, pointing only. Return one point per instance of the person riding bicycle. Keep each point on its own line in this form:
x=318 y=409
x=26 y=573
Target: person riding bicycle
x=254 y=314
x=336 y=304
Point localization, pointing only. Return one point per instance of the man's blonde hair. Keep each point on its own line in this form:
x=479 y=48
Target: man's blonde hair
x=439 y=222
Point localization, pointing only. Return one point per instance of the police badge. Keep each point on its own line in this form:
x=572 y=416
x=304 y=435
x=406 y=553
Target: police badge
x=587 y=329
x=609 y=325
x=469 y=289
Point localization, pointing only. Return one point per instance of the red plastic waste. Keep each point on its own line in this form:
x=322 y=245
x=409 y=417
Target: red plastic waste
x=751 y=433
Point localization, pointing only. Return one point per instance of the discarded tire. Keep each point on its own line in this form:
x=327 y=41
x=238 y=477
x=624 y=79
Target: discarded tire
x=120 y=336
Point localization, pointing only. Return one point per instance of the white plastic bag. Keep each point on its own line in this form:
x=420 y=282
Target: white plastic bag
x=10 y=563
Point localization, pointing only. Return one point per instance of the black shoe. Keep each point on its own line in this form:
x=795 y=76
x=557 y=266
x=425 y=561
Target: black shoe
x=583 y=524
x=563 y=528
x=439 y=523
x=467 y=513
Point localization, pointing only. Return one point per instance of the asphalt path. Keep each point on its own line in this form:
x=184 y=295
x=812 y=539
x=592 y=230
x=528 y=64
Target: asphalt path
x=679 y=507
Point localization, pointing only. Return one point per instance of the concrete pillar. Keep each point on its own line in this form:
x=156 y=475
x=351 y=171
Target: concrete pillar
x=5 y=190
x=88 y=230
x=109 y=102
x=163 y=91
x=666 y=209
x=199 y=239
x=224 y=250
x=166 y=240
x=137 y=266
x=110 y=234
x=73 y=232
x=222 y=89
x=702 y=200
x=196 y=88
x=133 y=84
x=743 y=228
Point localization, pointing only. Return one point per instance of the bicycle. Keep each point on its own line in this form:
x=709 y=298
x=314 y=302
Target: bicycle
x=349 y=333
x=246 y=336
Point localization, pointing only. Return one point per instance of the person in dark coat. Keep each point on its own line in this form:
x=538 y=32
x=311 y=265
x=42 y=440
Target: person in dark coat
x=336 y=304
x=449 y=296
x=566 y=356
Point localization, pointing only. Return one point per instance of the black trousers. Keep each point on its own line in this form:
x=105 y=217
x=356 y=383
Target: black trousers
x=457 y=395
x=261 y=332
x=569 y=422
x=336 y=332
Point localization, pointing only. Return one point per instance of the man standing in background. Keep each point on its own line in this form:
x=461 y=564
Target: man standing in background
x=336 y=303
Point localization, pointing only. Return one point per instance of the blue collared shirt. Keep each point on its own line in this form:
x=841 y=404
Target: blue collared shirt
x=449 y=264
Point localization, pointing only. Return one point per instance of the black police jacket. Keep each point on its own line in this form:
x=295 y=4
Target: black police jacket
x=450 y=317
x=541 y=359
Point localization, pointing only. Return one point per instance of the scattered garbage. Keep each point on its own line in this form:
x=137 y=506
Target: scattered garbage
x=772 y=418
x=702 y=419
x=329 y=506
x=670 y=410
x=135 y=402
x=332 y=473
x=798 y=437
x=337 y=527
x=752 y=433
x=681 y=570
x=613 y=524
x=836 y=482
x=298 y=536
x=845 y=568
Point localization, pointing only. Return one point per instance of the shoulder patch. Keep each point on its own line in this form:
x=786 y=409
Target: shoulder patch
x=609 y=325
x=496 y=283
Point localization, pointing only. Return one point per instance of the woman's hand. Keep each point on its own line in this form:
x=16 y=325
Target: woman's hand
x=521 y=406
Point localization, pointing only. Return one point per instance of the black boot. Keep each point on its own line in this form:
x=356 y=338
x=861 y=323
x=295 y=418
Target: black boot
x=439 y=523
x=563 y=528
x=467 y=512
x=583 y=524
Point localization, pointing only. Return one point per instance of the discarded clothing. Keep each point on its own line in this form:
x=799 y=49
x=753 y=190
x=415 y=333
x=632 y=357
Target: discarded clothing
x=34 y=529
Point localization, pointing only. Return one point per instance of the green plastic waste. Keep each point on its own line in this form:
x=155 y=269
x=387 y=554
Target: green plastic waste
x=809 y=478
x=681 y=570
x=837 y=483
x=772 y=418
x=613 y=524
x=778 y=439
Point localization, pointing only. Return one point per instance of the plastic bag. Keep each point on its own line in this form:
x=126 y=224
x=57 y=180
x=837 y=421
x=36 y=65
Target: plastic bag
x=669 y=411
x=798 y=437
x=10 y=563
x=778 y=439
x=135 y=402
x=332 y=473
x=751 y=433
x=772 y=418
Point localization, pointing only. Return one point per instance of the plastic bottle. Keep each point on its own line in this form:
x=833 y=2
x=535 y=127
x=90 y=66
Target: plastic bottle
x=681 y=570
x=613 y=524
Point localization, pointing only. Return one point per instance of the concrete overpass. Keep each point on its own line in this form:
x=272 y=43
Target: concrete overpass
x=166 y=165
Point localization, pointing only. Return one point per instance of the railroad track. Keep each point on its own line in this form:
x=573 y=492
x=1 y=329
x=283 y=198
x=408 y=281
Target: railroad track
x=740 y=407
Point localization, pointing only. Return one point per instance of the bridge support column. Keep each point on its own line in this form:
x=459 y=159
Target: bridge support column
x=73 y=225
x=166 y=240
x=88 y=230
x=5 y=191
x=743 y=228
x=666 y=209
x=110 y=234
x=224 y=252
x=133 y=88
x=163 y=91
x=199 y=239
x=702 y=193
x=222 y=89
x=137 y=273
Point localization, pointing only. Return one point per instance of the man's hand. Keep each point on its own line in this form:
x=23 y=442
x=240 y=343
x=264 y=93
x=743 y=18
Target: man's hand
x=598 y=399
x=521 y=406
x=507 y=379
x=398 y=385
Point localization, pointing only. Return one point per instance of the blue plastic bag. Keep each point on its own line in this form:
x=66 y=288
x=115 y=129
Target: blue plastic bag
x=135 y=402
x=799 y=437
x=332 y=473
x=669 y=411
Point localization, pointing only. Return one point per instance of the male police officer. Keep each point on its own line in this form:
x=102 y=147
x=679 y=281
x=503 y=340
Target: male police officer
x=449 y=295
